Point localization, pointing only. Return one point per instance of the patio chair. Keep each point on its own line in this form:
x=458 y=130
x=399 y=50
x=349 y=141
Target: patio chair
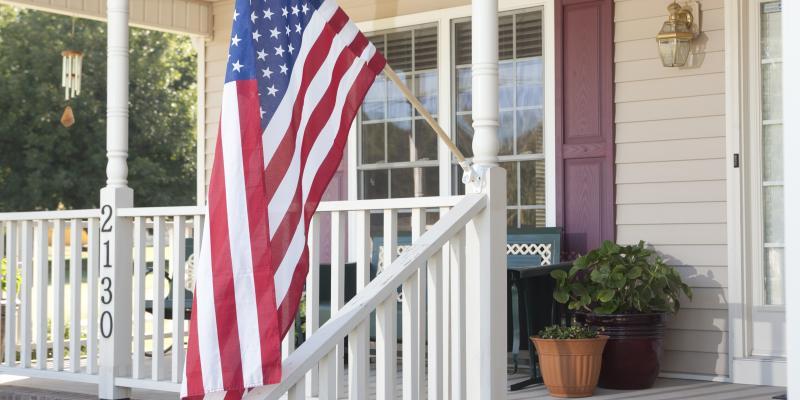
x=531 y=255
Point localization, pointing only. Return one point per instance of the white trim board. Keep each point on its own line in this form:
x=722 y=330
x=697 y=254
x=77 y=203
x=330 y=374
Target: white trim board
x=744 y=368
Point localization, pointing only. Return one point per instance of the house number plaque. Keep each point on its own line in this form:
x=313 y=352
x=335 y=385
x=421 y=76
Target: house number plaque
x=106 y=283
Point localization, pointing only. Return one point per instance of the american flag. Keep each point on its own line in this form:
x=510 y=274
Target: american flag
x=297 y=72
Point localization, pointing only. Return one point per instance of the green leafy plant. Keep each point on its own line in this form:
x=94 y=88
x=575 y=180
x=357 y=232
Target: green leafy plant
x=568 y=332
x=614 y=279
x=3 y=273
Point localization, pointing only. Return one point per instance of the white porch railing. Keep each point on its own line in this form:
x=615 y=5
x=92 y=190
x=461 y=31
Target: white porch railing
x=58 y=256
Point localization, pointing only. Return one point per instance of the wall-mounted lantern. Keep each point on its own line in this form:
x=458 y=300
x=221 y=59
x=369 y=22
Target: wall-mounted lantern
x=675 y=38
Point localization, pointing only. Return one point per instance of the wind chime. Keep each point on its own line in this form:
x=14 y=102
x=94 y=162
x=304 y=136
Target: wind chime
x=72 y=61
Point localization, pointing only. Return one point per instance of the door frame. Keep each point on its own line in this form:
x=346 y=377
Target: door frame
x=744 y=368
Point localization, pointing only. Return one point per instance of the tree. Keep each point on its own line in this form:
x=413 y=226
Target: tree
x=44 y=165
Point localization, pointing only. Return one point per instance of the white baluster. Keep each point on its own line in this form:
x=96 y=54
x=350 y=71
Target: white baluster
x=75 y=272
x=386 y=319
x=312 y=298
x=26 y=287
x=445 y=286
x=42 y=280
x=298 y=391
x=58 y=295
x=92 y=281
x=11 y=293
x=139 y=266
x=418 y=219
x=178 y=298
x=338 y=252
x=435 y=316
x=411 y=339
x=158 y=298
x=358 y=344
x=328 y=380
x=457 y=331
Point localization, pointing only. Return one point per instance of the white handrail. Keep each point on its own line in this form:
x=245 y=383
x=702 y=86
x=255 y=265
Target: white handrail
x=56 y=214
x=365 y=301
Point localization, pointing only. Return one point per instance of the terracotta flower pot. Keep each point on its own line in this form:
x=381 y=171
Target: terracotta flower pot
x=570 y=367
x=632 y=359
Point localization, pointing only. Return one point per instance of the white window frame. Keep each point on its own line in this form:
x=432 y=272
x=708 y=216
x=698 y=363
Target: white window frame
x=443 y=19
x=741 y=33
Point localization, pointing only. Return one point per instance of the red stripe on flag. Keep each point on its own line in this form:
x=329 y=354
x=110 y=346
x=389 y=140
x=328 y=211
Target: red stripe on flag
x=253 y=165
x=222 y=273
x=194 y=371
x=328 y=167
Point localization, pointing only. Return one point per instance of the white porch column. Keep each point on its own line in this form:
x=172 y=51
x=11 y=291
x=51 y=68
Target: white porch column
x=115 y=232
x=486 y=234
x=791 y=176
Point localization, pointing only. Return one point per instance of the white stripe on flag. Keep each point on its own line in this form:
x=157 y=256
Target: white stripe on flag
x=239 y=236
x=319 y=84
x=322 y=146
x=206 y=314
x=280 y=121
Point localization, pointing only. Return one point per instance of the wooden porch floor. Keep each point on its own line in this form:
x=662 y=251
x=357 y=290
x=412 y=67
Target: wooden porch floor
x=16 y=388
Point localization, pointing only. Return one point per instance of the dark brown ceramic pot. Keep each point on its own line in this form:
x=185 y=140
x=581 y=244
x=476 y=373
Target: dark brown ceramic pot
x=632 y=357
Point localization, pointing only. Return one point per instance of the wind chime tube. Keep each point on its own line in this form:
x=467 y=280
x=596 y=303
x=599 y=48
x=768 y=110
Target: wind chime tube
x=67 y=74
x=79 y=61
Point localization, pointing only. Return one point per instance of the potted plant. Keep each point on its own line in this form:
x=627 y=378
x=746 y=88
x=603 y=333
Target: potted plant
x=627 y=291
x=570 y=359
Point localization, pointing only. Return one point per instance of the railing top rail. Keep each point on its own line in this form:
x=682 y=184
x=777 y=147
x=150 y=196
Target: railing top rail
x=388 y=204
x=384 y=285
x=47 y=215
x=185 y=211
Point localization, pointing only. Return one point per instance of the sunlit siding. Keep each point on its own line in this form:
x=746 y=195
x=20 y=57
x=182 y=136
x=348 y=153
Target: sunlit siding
x=670 y=172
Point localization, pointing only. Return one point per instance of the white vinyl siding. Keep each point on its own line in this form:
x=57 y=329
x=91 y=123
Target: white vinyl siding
x=670 y=173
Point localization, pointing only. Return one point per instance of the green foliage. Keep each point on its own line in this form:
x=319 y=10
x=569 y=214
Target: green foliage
x=44 y=165
x=614 y=279
x=568 y=332
x=3 y=266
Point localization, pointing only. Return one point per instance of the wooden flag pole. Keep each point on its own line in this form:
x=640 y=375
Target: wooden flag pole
x=427 y=116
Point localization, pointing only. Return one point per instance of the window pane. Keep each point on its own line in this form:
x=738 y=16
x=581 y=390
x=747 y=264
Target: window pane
x=430 y=181
x=530 y=86
x=773 y=275
x=529 y=34
x=464 y=134
x=506 y=90
x=375 y=184
x=773 y=214
x=425 y=50
x=463 y=42
x=426 y=88
x=398 y=135
x=372 y=143
x=425 y=141
x=511 y=218
x=375 y=101
x=511 y=182
x=506 y=36
x=532 y=176
x=530 y=139
x=398 y=106
x=398 y=51
x=771 y=91
x=771 y=30
x=463 y=89
x=506 y=133
x=532 y=218
x=402 y=182
x=772 y=155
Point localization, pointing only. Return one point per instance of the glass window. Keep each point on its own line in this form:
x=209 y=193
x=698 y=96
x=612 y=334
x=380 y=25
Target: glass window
x=398 y=154
x=521 y=100
x=771 y=182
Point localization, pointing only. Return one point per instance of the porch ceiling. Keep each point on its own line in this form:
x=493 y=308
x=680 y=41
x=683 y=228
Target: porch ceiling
x=192 y=17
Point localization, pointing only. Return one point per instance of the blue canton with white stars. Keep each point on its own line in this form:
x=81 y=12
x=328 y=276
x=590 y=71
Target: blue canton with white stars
x=265 y=42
